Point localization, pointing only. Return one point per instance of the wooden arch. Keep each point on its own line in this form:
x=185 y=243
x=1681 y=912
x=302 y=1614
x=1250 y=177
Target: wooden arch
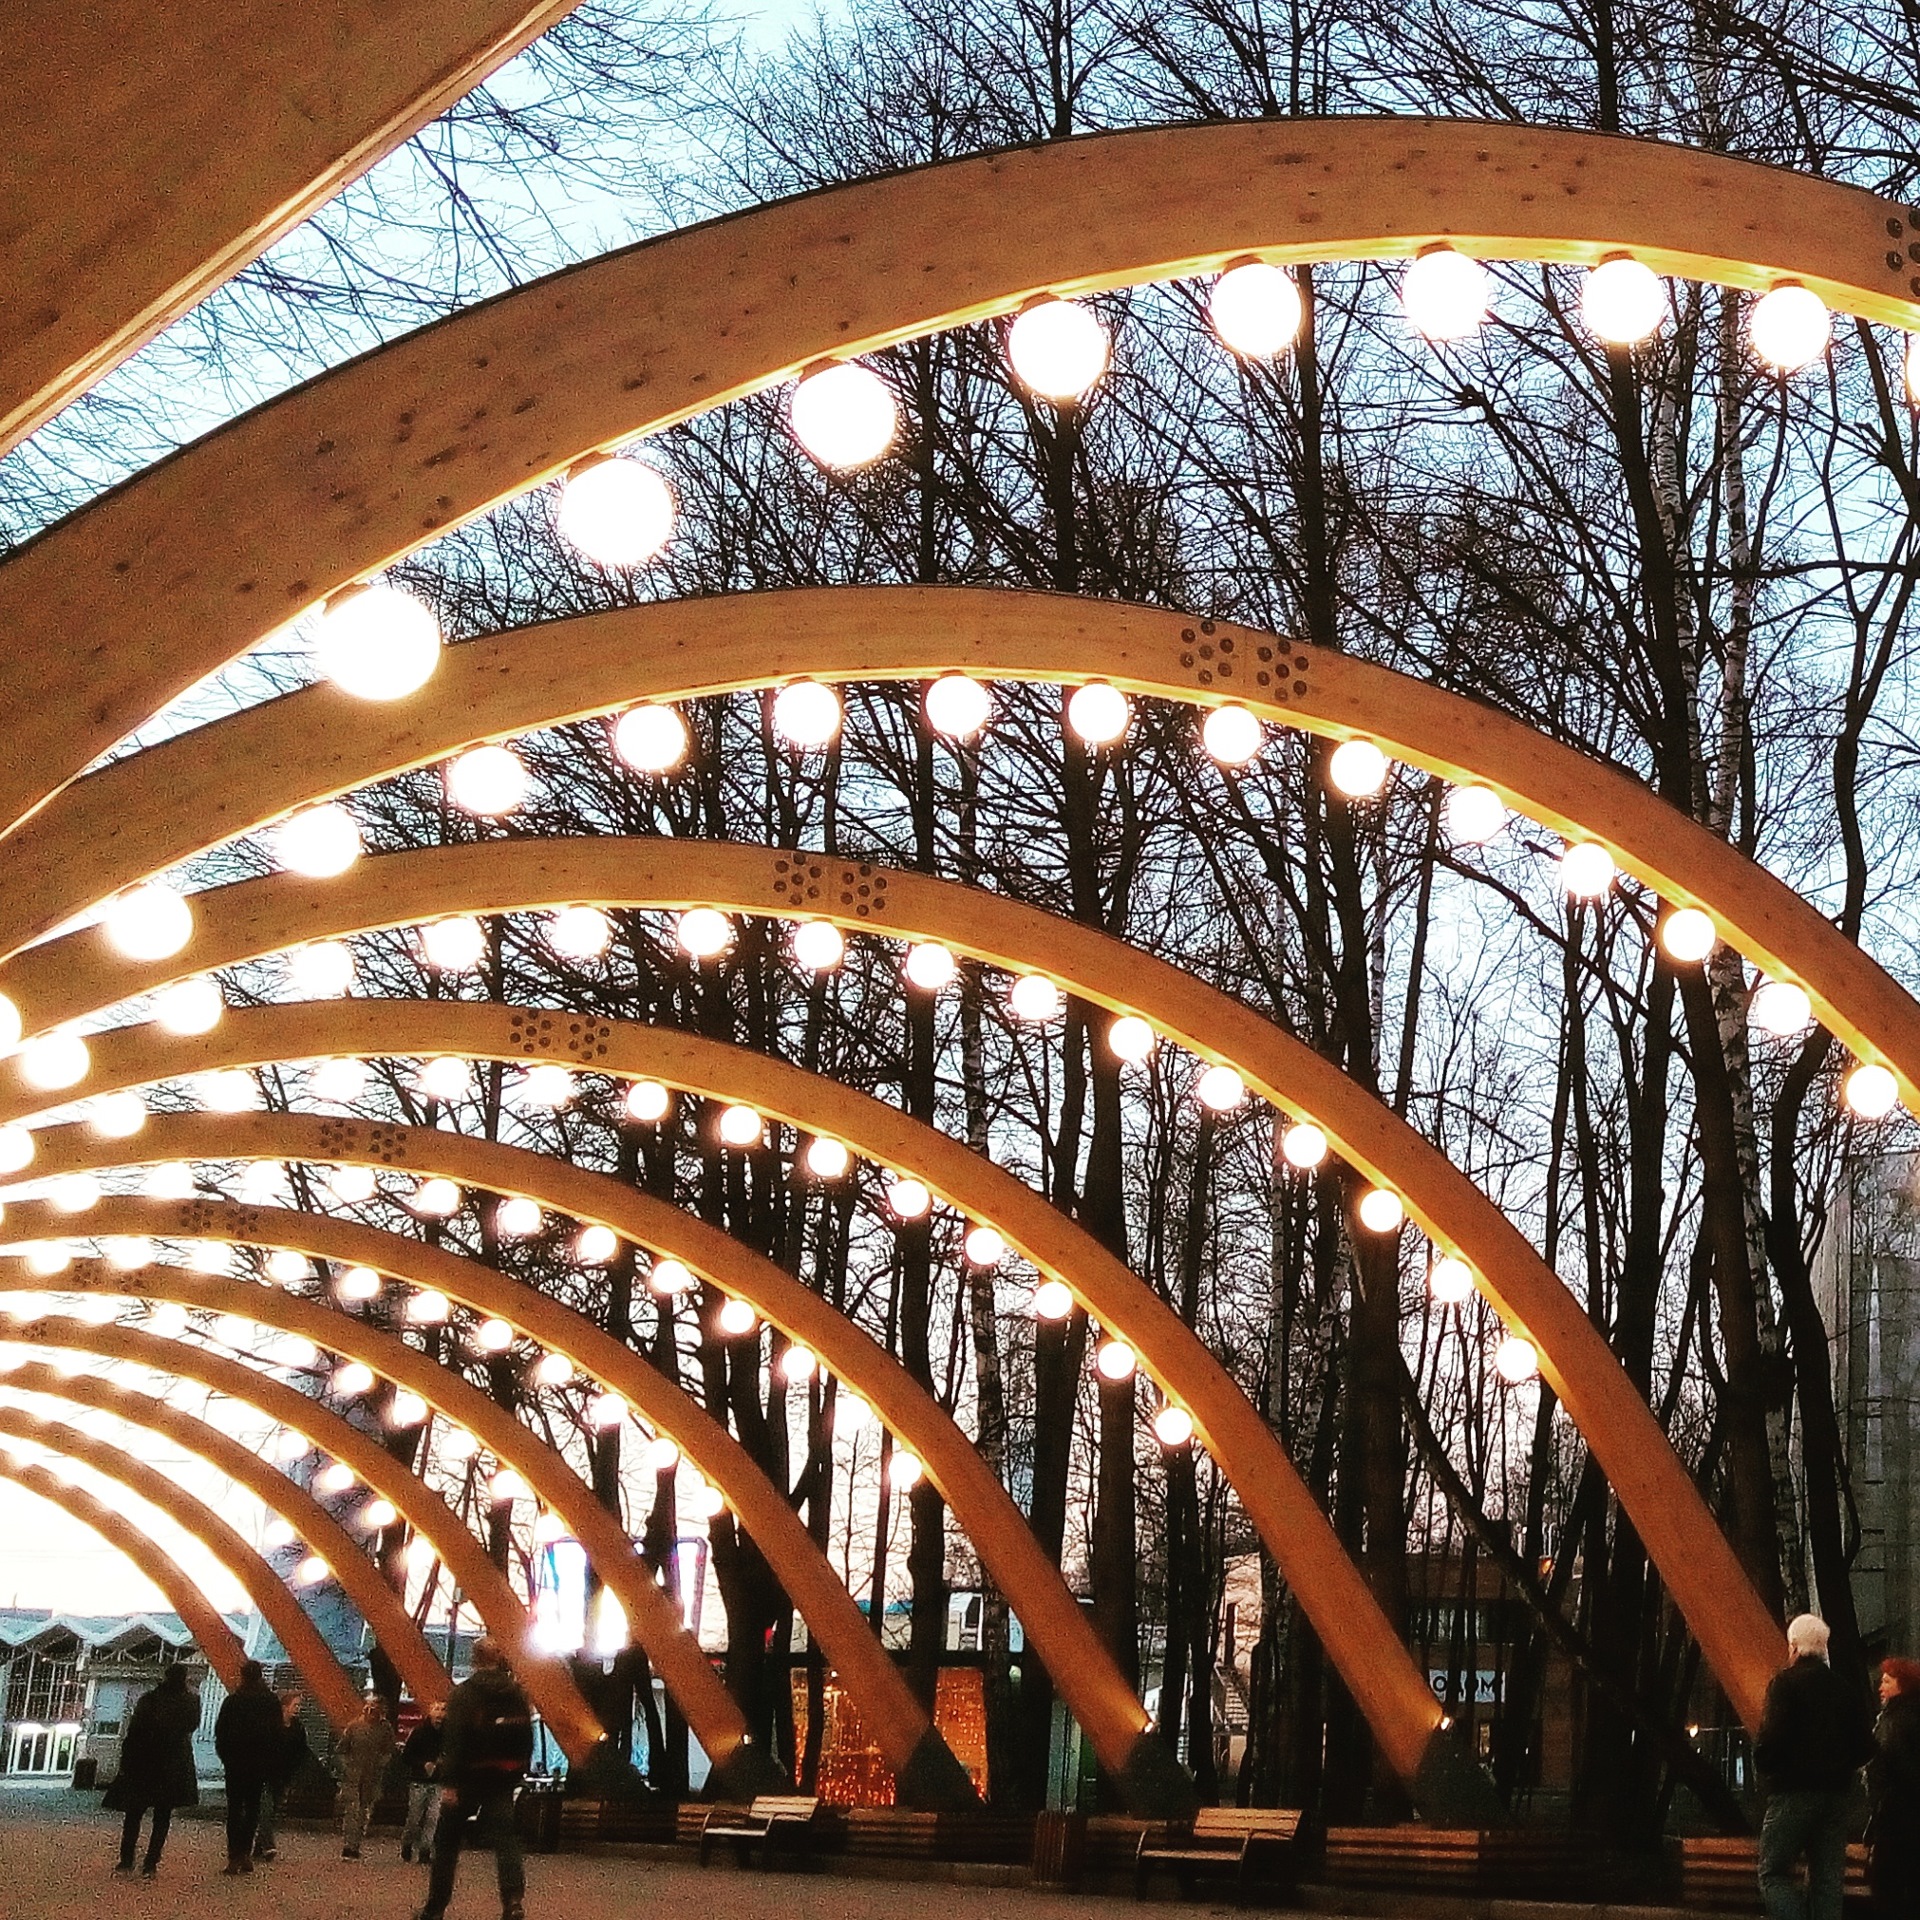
x=924 y=1767
x=392 y=1626
x=129 y=603
x=217 y=1640
x=566 y=1714
x=323 y=1674
x=1055 y=1624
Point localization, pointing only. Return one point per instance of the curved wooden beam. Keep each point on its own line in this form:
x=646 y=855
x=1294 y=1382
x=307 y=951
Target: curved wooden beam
x=325 y=1678
x=392 y=1626
x=225 y=1655
x=131 y=602
x=154 y=808
x=154 y=151
x=484 y=1586
x=1389 y=1689
x=924 y=1766
x=1056 y=1625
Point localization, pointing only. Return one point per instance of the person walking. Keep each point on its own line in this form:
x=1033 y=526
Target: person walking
x=246 y=1736
x=290 y=1756
x=420 y=1761
x=156 y=1767
x=1893 y=1782
x=1813 y=1742
x=488 y=1744
x=363 y=1755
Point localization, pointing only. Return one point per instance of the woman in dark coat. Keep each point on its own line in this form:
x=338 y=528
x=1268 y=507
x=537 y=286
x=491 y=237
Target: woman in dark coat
x=1893 y=1778
x=156 y=1766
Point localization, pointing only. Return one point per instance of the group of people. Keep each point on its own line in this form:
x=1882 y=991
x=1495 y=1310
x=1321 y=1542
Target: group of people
x=463 y=1763
x=1815 y=1737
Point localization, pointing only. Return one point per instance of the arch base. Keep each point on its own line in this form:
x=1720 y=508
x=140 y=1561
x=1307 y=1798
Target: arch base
x=747 y=1772
x=1451 y=1789
x=933 y=1781
x=1154 y=1785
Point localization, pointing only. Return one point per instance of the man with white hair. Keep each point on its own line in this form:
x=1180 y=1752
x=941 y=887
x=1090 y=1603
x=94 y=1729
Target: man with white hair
x=1814 y=1739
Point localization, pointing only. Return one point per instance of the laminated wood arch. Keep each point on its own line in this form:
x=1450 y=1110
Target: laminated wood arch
x=1389 y=1688
x=1055 y=1624
x=392 y=1626
x=211 y=1634
x=154 y=151
x=152 y=809
x=485 y=1587
x=135 y=599
x=324 y=1676
x=925 y=1768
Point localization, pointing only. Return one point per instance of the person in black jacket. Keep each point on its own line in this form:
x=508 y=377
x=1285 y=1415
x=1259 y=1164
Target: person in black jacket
x=488 y=1743
x=156 y=1766
x=420 y=1762
x=1893 y=1780
x=1814 y=1740
x=292 y=1754
x=246 y=1735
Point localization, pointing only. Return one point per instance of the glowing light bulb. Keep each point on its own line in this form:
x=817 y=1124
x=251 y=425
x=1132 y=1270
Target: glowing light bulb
x=286 y=1268
x=377 y=642
x=618 y=513
x=278 y=1533
x=908 y=1199
x=340 y=1082
x=737 y=1317
x=1870 y=1091
x=428 y=1308
x=355 y=1378
x=436 y=1199
x=47 y=1257
x=322 y=971
x=52 y=1061
x=1688 y=935
x=798 y=1365
x=1445 y=294
x=1586 y=870
x=827 y=1159
x=669 y=1278
x=551 y=1370
x=446 y=1077
x=595 y=1245
x=818 y=946
x=1515 y=1360
x=1232 y=736
x=806 y=715
x=930 y=966
x=1034 y=997
x=1255 y=309
x=648 y=1101
x=318 y=842
x=1099 y=713
x=289 y=1446
x=507 y=1486
x=651 y=739
x=117 y=1116
x=984 y=1247
x=170 y=1180
x=741 y=1126
x=606 y=1410
x=704 y=932
x=360 y=1283
x=851 y=1415
x=189 y=1006
x=1381 y=1210
x=210 y=1256
x=1358 y=769
x=1303 y=1146
x=1115 y=1360
x=710 y=1503
x=454 y=946
x=406 y=1410
x=351 y=1185
x=458 y=1444
x=16 y=1148
x=1173 y=1426
x=549 y=1529
x=958 y=706
x=1052 y=1300
x=420 y=1555
x=905 y=1471
x=1790 y=327
x=493 y=1336
x=148 y=922
x=74 y=1193
x=1059 y=349
x=579 y=933
x=377 y=1514
x=489 y=780
x=1221 y=1089
x=1131 y=1038
x=546 y=1088
x=1450 y=1281
x=311 y=1571
x=1623 y=301
x=228 y=1090
x=661 y=1455
x=518 y=1218
x=1780 y=1008
x=844 y=415
x=1473 y=816
x=335 y=1478
x=128 y=1253
x=168 y=1321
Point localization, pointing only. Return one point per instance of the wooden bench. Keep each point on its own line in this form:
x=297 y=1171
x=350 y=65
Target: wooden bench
x=1465 y=1862
x=1722 y=1874
x=1223 y=1841
x=773 y=1821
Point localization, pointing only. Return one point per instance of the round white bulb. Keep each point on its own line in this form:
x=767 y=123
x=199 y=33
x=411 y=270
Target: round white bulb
x=552 y=1370
x=985 y=1247
x=493 y=1335
x=377 y=1514
x=958 y=706
x=117 y=1116
x=1221 y=1089
x=1052 y=1300
x=930 y=966
x=377 y=643
x=844 y=415
x=517 y=1217
x=322 y=971
x=228 y=1090
x=406 y=1410
x=617 y=513
x=359 y=1283
x=798 y=1365
x=11 y=1025
x=278 y=1533
x=908 y=1199
x=667 y=1279
x=446 y=1077
x=1623 y=301
x=48 y=1257
x=548 y=1529
x=647 y=1101
x=1358 y=769
x=287 y=1268
x=1381 y=1210
x=168 y=1321
x=1688 y=935
x=189 y=1006
x=1115 y=1360
x=488 y=781
x=595 y=1245
x=210 y=1256
x=1586 y=870
x=453 y=946
x=351 y=1185
x=1059 y=349
x=340 y=1081
x=318 y=842
x=335 y=1478
x=1303 y=1146
x=170 y=1180
x=74 y=1193
x=1871 y=1091
x=1473 y=816
x=506 y=1486
x=311 y=1571
x=579 y=933
x=128 y=1253
x=1516 y=1361
x=1450 y=1281
x=806 y=715
x=1255 y=309
x=827 y=1159
x=420 y=1555
x=851 y=1415
x=818 y=946
x=149 y=922
x=1445 y=294
x=1232 y=735
x=1173 y=1426
x=16 y=1147
x=737 y=1317
x=1035 y=997
x=458 y=1444
x=356 y=1377
x=905 y=1471
x=606 y=1410
x=1131 y=1038
x=52 y=1061
x=1099 y=713
x=546 y=1088
x=710 y=1503
x=704 y=932
x=661 y=1456
x=741 y=1126
x=651 y=739
x=1780 y=1008
x=428 y=1309
x=1790 y=327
